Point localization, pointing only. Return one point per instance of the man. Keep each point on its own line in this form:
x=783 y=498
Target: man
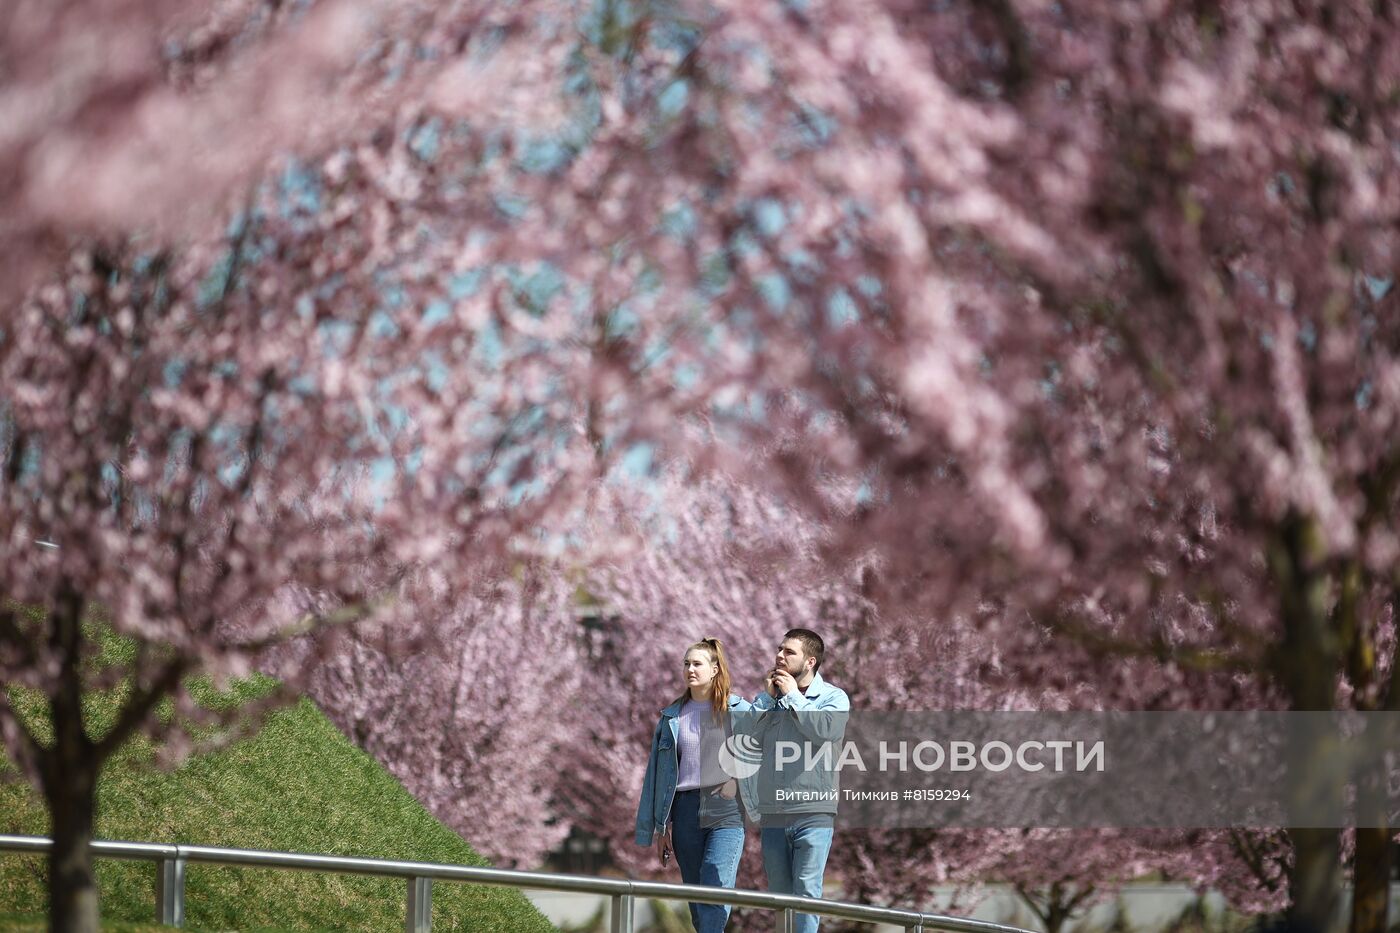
x=796 y=802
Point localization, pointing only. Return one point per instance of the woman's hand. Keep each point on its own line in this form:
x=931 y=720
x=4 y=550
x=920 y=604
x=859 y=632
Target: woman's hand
x=664 y=850
x=729 y=789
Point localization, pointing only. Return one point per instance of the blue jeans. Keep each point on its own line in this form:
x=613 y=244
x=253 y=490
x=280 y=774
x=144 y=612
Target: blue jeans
x=706 y=855
x=794 y=859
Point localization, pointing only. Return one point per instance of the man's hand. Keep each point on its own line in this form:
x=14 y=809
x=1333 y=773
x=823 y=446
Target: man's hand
x=768 y=686
x=729 y=789
x=664 y=850
x=784 y=683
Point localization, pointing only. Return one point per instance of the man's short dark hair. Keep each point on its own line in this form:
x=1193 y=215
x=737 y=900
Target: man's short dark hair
x=812 y=645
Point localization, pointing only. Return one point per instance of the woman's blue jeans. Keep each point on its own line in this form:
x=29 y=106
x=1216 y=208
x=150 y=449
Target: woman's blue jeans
x=706 y=855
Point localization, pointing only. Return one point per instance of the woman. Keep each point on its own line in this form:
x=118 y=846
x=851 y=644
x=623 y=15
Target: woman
x=689 y=805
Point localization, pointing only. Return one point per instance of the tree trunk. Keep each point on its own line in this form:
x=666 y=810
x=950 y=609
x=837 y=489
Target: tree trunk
x=68 y=772
x=1370 y=905
x=1313 y=883
x=72 y=886
x=1055 y=907
x=1306 y=664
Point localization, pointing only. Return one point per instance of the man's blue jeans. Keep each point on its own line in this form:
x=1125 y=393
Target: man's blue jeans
x=706 y=855
x=794 y=859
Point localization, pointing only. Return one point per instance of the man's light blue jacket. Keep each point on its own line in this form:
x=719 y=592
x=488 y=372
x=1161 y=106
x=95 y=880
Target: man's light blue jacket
x=810 y=718
x=659 y=785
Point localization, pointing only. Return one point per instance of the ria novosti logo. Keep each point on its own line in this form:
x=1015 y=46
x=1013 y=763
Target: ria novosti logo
x=741 y=756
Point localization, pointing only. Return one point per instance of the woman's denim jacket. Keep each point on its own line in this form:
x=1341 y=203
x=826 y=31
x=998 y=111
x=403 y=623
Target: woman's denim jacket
x=659 y=785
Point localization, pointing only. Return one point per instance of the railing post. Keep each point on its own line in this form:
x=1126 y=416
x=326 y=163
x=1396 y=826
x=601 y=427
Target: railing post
x=622 y=919
x=420 y=906
x=787 y=921
x=170 y=892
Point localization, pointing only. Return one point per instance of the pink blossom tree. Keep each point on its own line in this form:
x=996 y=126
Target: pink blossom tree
x=1057 y=873
x=151 y=115
x=957 y=664
x=342 y=387
x=179 y=460
x=718 y=558
x=467 y=704
x=1090 y=299
x=673 y=564
x=1096 y=300
x=196 y=429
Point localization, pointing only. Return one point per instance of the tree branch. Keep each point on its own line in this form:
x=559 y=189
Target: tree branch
x=1205 y=660
x=249 y=717
x=1254 y=859
x=1016 y=75
x=311 y=622
x=23 y=744
x=140 y=705
x=1079 y=898
x=12 y=634
x=1042 y=913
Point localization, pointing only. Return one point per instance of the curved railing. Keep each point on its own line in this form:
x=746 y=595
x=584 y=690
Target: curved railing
x=171 y=860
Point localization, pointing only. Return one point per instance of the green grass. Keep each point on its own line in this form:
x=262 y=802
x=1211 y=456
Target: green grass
x=296 y=785
x=24 y=923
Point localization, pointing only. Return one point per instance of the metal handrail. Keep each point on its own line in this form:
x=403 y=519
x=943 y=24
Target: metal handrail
x=172 y=859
